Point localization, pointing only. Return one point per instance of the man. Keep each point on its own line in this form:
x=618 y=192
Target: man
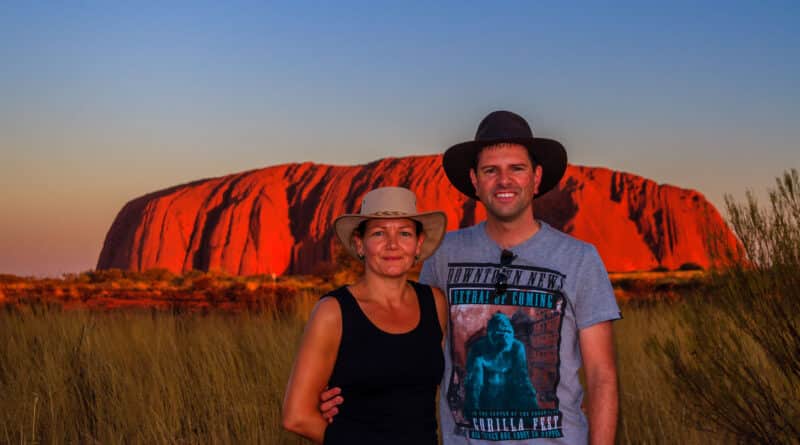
x=551 y=288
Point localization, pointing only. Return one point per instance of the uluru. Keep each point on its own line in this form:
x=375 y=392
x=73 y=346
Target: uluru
x=279 y=219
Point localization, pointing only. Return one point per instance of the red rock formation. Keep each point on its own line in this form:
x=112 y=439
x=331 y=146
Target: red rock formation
x=278 y=219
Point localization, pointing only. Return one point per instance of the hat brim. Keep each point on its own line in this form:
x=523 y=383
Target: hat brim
x=550 y=154
x=434 y=226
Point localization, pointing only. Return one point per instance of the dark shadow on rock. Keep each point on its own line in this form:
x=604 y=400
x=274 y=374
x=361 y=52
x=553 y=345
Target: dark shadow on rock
x=558 y=206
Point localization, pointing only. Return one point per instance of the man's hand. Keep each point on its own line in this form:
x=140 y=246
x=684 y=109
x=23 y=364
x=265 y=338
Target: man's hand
x=329 y=401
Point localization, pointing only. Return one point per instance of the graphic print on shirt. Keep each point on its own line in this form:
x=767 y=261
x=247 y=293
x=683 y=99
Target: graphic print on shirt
x=505 y=351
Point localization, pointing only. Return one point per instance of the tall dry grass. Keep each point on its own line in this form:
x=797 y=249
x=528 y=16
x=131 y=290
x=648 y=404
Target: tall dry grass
x=144 y=377
x=651 y=410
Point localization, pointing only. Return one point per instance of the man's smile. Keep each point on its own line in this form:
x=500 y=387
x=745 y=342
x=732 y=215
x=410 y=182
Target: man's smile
x=505 y=196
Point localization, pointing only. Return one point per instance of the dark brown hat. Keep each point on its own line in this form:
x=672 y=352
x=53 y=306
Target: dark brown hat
x=496 y=128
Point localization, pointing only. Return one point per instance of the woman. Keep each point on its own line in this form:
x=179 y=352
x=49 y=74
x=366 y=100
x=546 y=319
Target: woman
x=379 y=339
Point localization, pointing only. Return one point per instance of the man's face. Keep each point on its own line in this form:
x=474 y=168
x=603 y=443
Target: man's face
x=505 y=180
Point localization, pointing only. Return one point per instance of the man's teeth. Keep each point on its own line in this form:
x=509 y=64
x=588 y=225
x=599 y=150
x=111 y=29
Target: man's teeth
x=505 y=195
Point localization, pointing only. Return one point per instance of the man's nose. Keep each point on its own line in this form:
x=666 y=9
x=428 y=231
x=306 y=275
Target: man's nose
x=504 y=178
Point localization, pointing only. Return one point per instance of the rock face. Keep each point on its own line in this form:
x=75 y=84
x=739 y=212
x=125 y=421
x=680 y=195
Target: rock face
x=279 y=219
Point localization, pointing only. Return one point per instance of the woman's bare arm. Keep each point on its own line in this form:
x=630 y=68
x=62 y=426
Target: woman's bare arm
x=312 y=370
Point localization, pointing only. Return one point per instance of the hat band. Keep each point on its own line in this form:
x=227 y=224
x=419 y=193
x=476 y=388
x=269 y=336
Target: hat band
x=388 y=213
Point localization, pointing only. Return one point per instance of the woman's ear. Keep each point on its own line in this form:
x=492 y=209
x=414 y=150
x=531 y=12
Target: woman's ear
x=358 y=246
x=420 y=240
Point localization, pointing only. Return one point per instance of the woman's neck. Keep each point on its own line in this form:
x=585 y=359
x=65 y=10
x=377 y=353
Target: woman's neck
x=381 y=289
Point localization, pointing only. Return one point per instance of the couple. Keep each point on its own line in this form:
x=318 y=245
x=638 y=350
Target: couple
x=524 y=308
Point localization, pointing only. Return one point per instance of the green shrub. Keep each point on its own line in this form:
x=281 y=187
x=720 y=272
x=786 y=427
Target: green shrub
x=104 y=275
x=155 y=274
x=735 y=360
x=690 y=266
x=6 y=278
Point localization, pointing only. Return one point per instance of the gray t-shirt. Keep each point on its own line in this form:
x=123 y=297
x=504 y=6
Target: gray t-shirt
x=512 y=359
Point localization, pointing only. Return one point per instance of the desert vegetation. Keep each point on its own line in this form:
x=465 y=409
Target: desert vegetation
x=704 y=356
x=735 y=358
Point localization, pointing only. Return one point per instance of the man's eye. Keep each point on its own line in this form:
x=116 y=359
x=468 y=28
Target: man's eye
x=406 y=234
x=377 y=233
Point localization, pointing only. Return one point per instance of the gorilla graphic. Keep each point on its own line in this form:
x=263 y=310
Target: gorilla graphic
x=497 y=371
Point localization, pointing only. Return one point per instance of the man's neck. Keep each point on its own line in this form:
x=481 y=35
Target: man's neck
x=508 y=234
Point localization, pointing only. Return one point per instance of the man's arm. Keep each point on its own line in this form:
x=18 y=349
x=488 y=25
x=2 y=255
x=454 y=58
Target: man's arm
x=599 y=362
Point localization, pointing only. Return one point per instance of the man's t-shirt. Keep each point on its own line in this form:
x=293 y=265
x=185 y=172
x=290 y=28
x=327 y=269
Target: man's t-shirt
x=512 y=358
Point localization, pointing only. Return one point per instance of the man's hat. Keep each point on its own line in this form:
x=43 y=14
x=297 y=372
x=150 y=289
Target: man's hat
x=389 y=203
x=496 y=128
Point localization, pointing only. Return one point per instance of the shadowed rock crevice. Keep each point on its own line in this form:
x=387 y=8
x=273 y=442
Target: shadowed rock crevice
x=202 y=259
x=616 y=187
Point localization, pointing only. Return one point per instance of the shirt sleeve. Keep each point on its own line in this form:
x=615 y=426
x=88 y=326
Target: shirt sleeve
x=595 y=301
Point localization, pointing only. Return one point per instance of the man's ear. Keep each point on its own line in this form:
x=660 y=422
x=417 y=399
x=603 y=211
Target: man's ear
x=474 y=178
x=537 y=178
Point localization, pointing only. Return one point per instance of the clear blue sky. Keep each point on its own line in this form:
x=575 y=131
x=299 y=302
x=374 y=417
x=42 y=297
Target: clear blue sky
x=101 y=103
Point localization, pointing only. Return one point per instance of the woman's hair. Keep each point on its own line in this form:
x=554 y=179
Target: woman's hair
x=362 y=227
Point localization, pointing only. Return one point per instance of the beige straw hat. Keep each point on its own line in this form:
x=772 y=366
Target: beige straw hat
x=393 y=202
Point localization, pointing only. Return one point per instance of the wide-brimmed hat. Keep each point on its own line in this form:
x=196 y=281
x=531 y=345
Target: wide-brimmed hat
x=389 y=203
x=499 y=127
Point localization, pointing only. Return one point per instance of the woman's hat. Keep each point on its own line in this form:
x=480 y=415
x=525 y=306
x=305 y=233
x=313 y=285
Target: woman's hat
x=496 y=128
x=389 y=203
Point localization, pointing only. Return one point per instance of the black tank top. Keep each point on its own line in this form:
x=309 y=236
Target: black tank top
x=388 y=380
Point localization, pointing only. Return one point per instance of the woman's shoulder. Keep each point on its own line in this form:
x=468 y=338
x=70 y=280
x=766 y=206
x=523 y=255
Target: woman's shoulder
x=326 y=311
x=440 y=303
x=435 y=292
x=426 y=288
x=337 y=293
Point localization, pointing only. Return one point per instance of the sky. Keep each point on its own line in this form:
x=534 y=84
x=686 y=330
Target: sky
x=102 y=102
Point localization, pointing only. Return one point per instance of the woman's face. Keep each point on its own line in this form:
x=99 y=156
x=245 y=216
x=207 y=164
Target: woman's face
x=389 y=246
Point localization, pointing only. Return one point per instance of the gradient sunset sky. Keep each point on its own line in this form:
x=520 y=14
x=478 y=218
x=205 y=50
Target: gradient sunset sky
x=100 y=104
